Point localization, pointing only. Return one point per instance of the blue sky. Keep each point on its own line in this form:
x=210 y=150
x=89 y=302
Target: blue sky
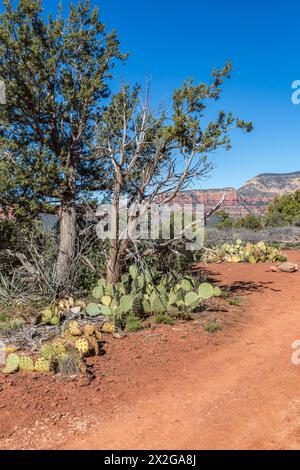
x=170 y=40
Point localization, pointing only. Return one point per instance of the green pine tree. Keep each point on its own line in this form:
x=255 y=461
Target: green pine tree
x=56 y=72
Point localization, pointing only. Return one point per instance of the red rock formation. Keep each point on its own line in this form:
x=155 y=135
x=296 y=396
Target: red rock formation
x=252 y=198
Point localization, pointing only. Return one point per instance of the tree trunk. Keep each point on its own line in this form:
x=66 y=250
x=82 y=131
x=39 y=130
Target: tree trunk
x=117 y=246
x=114 y=265
x=68 y=220
x=67 y=242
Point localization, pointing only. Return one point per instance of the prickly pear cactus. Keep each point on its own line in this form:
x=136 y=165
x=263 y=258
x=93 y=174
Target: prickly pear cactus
x=42 y=365
x=205 y=291
x=59 y=347
x=93 y=310
x=126 y=303
x=82 y=345
x=108 y=327
x=133 y=271
x=89 y=330
x=141 y=294
x=74 y=328
x=47 y=351
x=191 y=299
x=98 y=292
x=12 y=364
x=106 y=300
x=238 y=252
x=26 y=364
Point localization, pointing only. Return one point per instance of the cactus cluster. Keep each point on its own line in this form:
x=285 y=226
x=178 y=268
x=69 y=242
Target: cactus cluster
x=143 y=294
x=63 y=354
x=239 y=252
x=84 y=339
x=52 y=315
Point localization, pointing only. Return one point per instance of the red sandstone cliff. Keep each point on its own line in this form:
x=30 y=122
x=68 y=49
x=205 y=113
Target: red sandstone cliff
x=254 y=197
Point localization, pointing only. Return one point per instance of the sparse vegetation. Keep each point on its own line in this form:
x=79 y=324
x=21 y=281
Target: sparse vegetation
x=163 y=318
x=235 y=301
x=212 y=327
x=249 y=222
x=133 y=323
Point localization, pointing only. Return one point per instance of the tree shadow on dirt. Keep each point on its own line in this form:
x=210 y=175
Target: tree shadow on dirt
x=248 y=287
x=238 y=287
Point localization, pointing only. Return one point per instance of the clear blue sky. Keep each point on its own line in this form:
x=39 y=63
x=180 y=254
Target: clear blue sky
x=170 y=40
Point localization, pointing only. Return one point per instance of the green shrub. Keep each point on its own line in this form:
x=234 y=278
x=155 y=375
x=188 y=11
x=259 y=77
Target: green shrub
x=225 y=222
x=211 y=327
x=165 y=319
x=235 y=301
x=133 y=323
x=250 y=222
x=285 y=210
x=3 y=317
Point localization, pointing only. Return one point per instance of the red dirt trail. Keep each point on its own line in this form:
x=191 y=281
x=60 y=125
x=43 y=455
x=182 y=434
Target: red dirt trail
x=179 y=387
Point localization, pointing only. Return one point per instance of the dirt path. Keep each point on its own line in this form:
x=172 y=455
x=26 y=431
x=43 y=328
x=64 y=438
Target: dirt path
x=180 y=388
x=245 y=395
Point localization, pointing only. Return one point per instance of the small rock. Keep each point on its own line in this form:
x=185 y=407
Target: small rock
x=288 y=267
x=84 y=382
x=57 y=417
x=119 y=335
x=75 y=310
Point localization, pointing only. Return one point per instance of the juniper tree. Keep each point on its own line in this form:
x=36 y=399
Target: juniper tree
x=153 y=156
x=56 y=72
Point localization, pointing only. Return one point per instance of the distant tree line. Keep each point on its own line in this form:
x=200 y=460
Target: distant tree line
x=283 y=211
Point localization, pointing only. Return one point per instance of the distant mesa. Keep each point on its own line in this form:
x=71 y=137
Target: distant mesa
x=252 y=198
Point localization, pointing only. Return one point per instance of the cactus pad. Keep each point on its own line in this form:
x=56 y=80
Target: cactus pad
x=26 y=364
x=93 y=310
x=217 y=292
x=98 y=292
x=42 y=365
x=55 y=321
x=59 y=347
x=106 y=300
x=74 y=328
x=89 y=330
x=12 y=364
x=108 y=327
x=191 y=299
x=126 y=303
x=205 y=291
x=133 y=271
x=82 y=345
x=47 y=351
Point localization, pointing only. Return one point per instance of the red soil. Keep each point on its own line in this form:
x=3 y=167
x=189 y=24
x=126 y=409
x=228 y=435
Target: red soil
x=178 y=387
